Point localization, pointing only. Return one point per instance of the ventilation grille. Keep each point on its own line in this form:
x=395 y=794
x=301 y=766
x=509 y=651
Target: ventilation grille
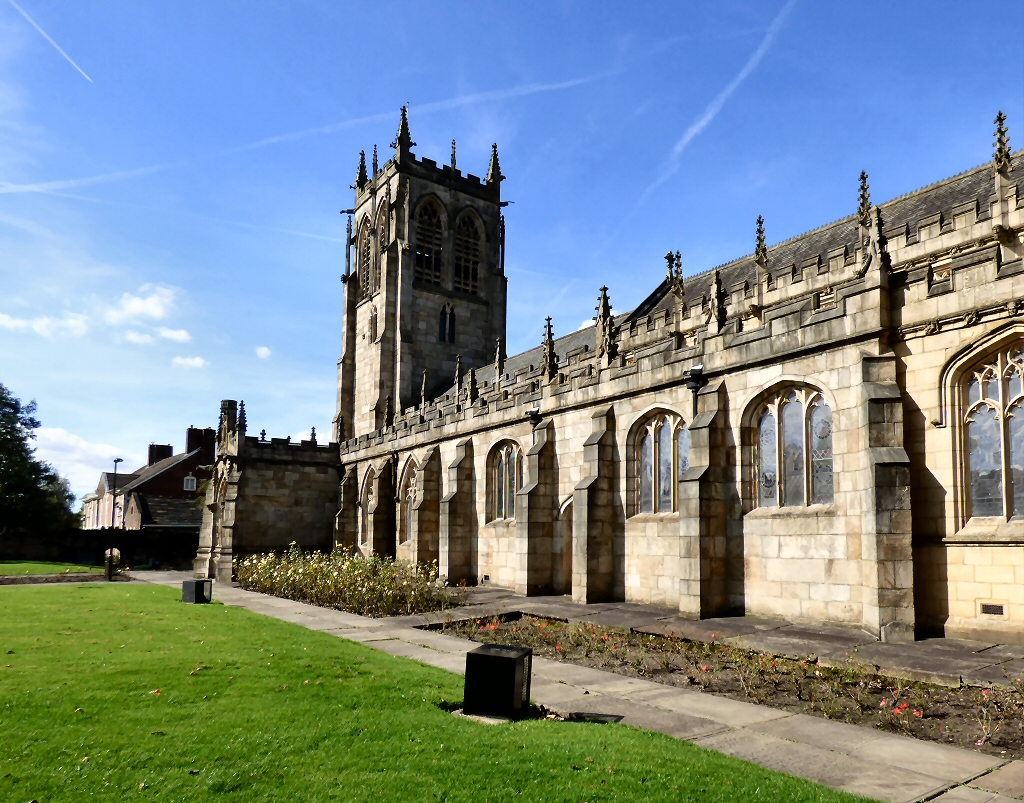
x=989 y=609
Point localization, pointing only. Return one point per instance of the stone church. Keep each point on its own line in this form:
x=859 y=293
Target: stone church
x=828 y=430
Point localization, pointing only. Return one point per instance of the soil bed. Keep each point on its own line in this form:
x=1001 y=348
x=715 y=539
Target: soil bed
x=988 y=720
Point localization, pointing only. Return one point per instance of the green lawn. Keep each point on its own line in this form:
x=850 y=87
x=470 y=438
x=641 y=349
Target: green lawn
x=8 y=567
x=253 y=709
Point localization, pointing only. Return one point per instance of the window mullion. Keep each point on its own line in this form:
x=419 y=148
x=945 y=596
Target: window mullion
x=780 y=464
x=1004 y=440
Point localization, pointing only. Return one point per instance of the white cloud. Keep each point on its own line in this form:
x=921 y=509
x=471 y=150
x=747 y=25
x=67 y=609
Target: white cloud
x=262 y=352
x=189 y=362
x=72 y=324
x=79 y=461
x=586 y=324
x=152 y=302
x=137 y=337
x=177 y=335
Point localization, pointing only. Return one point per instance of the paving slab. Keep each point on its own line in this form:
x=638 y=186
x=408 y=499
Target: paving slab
x=996 y=673
x=965 y=794
x=796 y=644
x=921 y=662
x=1007 y=780
x=833 y=769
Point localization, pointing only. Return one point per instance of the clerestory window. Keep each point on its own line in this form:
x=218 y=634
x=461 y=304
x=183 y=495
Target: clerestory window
x=993 y=436
x=429 y=239
x=662 y=456
x=506 y=479
x=467 y=255
x=794 y=450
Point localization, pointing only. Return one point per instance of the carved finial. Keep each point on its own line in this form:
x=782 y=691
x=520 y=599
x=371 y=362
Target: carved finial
x=375 y=170
x=679 y=268
x=494 y=170
x=312 y=435
x=263 y=435
x=423 y=390
x=1002 y=154
x=453 y=155
x=761 y=250
x=499 y=361
x=669 y=265
x=550 y=358
x=241 y=418
x=361 y=172
x=403 y=142
x=387 y=411
x=458 y=372
x=472 y=385
x=864 y=201
x=605 y=326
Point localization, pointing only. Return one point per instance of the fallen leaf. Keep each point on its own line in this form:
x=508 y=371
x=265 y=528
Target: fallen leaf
x=156 y=691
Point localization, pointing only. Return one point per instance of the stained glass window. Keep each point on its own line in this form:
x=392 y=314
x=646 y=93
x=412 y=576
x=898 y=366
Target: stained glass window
x=665 y=490
x=793 y=451
x=768 y=470
x=647 y=473
x=993 y=431
x=683 y=448
x=821 y=453
x=507 y=479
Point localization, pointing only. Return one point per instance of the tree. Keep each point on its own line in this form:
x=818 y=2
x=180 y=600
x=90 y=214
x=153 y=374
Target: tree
x=34 y=498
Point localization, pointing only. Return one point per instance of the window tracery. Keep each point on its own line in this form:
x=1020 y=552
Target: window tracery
x=506 y=479
x=429 y=240
x=800 y=422
x=406 y=500
x=993 y=436
x=467 y=255
x=662 y=454
x=366 y=286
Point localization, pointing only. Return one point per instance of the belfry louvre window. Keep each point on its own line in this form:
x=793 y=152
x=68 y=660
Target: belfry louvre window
x=366 y=283
x=429 y=238
x=993 y=436
x=506 y=478
x=794 y=450
x=382 y=242
x=467 y=255
x=662 y=455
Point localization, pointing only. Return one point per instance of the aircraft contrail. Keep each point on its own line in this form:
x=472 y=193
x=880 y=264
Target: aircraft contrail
x=21 y=11
x=716 y=105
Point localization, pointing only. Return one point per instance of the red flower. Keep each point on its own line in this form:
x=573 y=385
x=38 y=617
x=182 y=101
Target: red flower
x=984 y=692
x=704 y=668
x=558 y=646
x=883 y=704
x=918 y=714
x=904 y=706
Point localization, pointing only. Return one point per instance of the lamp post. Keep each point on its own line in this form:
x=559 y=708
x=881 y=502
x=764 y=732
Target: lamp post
x=108 y=563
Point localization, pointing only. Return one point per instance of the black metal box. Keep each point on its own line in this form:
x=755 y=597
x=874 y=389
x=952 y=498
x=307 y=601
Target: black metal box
x=498 y=681
x=197 y=591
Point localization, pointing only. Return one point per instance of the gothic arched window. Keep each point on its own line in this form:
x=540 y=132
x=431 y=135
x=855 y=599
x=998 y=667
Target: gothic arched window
x=467 y=255
x=406 y=500
x=366 y=499
x=365 y=240
x=506 y=478
x=446 y=324
x=799 y=420
x=662 y=455
x=993 y=435
x=429 y=239
x=383 y=238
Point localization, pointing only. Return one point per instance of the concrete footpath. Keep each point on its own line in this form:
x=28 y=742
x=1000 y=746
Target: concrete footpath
x=854 y=759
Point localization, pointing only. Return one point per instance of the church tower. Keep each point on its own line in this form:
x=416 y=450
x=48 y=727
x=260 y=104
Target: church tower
x=426 y=288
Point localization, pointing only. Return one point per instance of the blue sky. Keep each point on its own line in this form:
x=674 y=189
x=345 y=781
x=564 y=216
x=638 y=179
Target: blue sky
x=170 y=188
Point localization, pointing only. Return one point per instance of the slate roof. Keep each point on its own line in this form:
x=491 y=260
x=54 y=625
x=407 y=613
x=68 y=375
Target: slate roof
x=148 y=472
x=107 y=481
x=165 y=511
x=902 y=213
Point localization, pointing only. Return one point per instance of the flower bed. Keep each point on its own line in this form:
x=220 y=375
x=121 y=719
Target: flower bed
x=371 y=586
x=990 y=720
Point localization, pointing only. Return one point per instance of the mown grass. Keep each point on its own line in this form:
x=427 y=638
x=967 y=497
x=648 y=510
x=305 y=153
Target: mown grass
x=9 y=567
x=254 y=709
